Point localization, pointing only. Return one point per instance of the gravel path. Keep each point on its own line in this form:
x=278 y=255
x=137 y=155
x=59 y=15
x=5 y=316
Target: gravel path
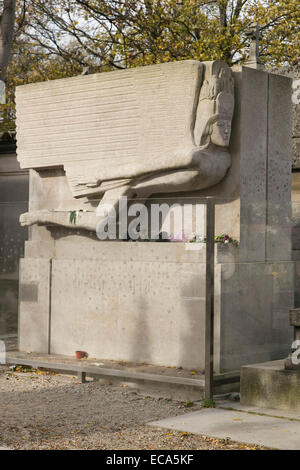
x=42 y=410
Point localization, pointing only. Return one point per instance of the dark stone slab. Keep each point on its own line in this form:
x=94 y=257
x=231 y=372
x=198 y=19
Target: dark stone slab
x=29 y=292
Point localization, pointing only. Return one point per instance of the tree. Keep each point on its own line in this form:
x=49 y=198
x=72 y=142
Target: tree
x=7 y=19
x=6 y=34
x=126 y=33
x=30 y=63
x=58 y=38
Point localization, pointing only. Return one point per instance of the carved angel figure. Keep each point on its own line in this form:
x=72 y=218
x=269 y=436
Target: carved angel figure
x=157 y=129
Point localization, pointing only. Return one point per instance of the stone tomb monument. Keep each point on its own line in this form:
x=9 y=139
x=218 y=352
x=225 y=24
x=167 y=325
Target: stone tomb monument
x=184 y=129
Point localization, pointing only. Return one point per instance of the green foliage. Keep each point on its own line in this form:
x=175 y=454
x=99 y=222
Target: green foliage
x=114 y=33
x=225 y=239
x=73 y=217
x=58 y=38
x=208 y=403
x=189 y=404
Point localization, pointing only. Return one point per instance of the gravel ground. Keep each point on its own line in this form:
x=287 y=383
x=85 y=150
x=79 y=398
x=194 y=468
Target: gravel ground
x=41 y=410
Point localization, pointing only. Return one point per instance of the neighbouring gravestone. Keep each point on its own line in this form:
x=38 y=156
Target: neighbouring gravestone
x=154 y=133
x=293 y=361
x=275 y=384
x=13 y=202
x=254 y=34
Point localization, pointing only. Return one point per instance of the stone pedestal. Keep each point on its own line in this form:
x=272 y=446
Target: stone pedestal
x=145 y=302
x=269 y=385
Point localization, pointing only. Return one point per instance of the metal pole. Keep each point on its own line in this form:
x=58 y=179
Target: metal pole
x=209 y=293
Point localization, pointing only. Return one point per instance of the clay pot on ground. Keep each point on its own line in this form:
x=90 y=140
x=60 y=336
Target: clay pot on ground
x=80 y=354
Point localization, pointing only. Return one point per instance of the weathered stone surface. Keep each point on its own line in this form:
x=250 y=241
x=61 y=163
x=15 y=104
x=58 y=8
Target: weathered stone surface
x=269 y=385
x=290 y=365
x=279 y=166
x=86 y=107
x=29 y=292
x=295 y=317
x=294 y=73
x=253 y=164
x=148 y=131
x=254 y=34
x=265 y=166
x=145 y=302
x=136 y=311
x=34 y=305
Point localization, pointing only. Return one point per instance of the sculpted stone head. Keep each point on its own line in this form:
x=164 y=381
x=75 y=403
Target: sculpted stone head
x=220 y=131
x=215 y=108
x=218 y=128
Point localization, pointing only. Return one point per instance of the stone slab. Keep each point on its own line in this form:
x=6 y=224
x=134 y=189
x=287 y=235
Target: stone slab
x=145 y=302
x=253 y=163
x=269 y=385
x=267 y=431
x=142 y=311
x=178 y=384
x=125 y=251
x=279 y=165
x=140 y=102
x=34 y=304
x=237 y=406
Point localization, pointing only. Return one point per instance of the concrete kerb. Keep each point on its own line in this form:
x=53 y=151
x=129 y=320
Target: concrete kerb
x=179 y=388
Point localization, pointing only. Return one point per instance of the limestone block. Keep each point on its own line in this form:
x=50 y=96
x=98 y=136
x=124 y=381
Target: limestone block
x=269 y=385
x=279 y=164
x=34 y=306
x=136 y=311
x=253 y=163
x=114 y=113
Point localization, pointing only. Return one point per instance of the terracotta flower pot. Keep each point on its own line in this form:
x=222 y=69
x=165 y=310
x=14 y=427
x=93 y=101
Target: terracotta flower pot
x=80 y=354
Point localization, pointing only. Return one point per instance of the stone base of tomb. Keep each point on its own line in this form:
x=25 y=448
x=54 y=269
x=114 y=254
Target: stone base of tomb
x=145 y=303
x=270 y=385
x=169 y=382
x=289 y=364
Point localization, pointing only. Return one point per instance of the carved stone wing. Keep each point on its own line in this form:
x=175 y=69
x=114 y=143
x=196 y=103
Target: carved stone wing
x=107 y=119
